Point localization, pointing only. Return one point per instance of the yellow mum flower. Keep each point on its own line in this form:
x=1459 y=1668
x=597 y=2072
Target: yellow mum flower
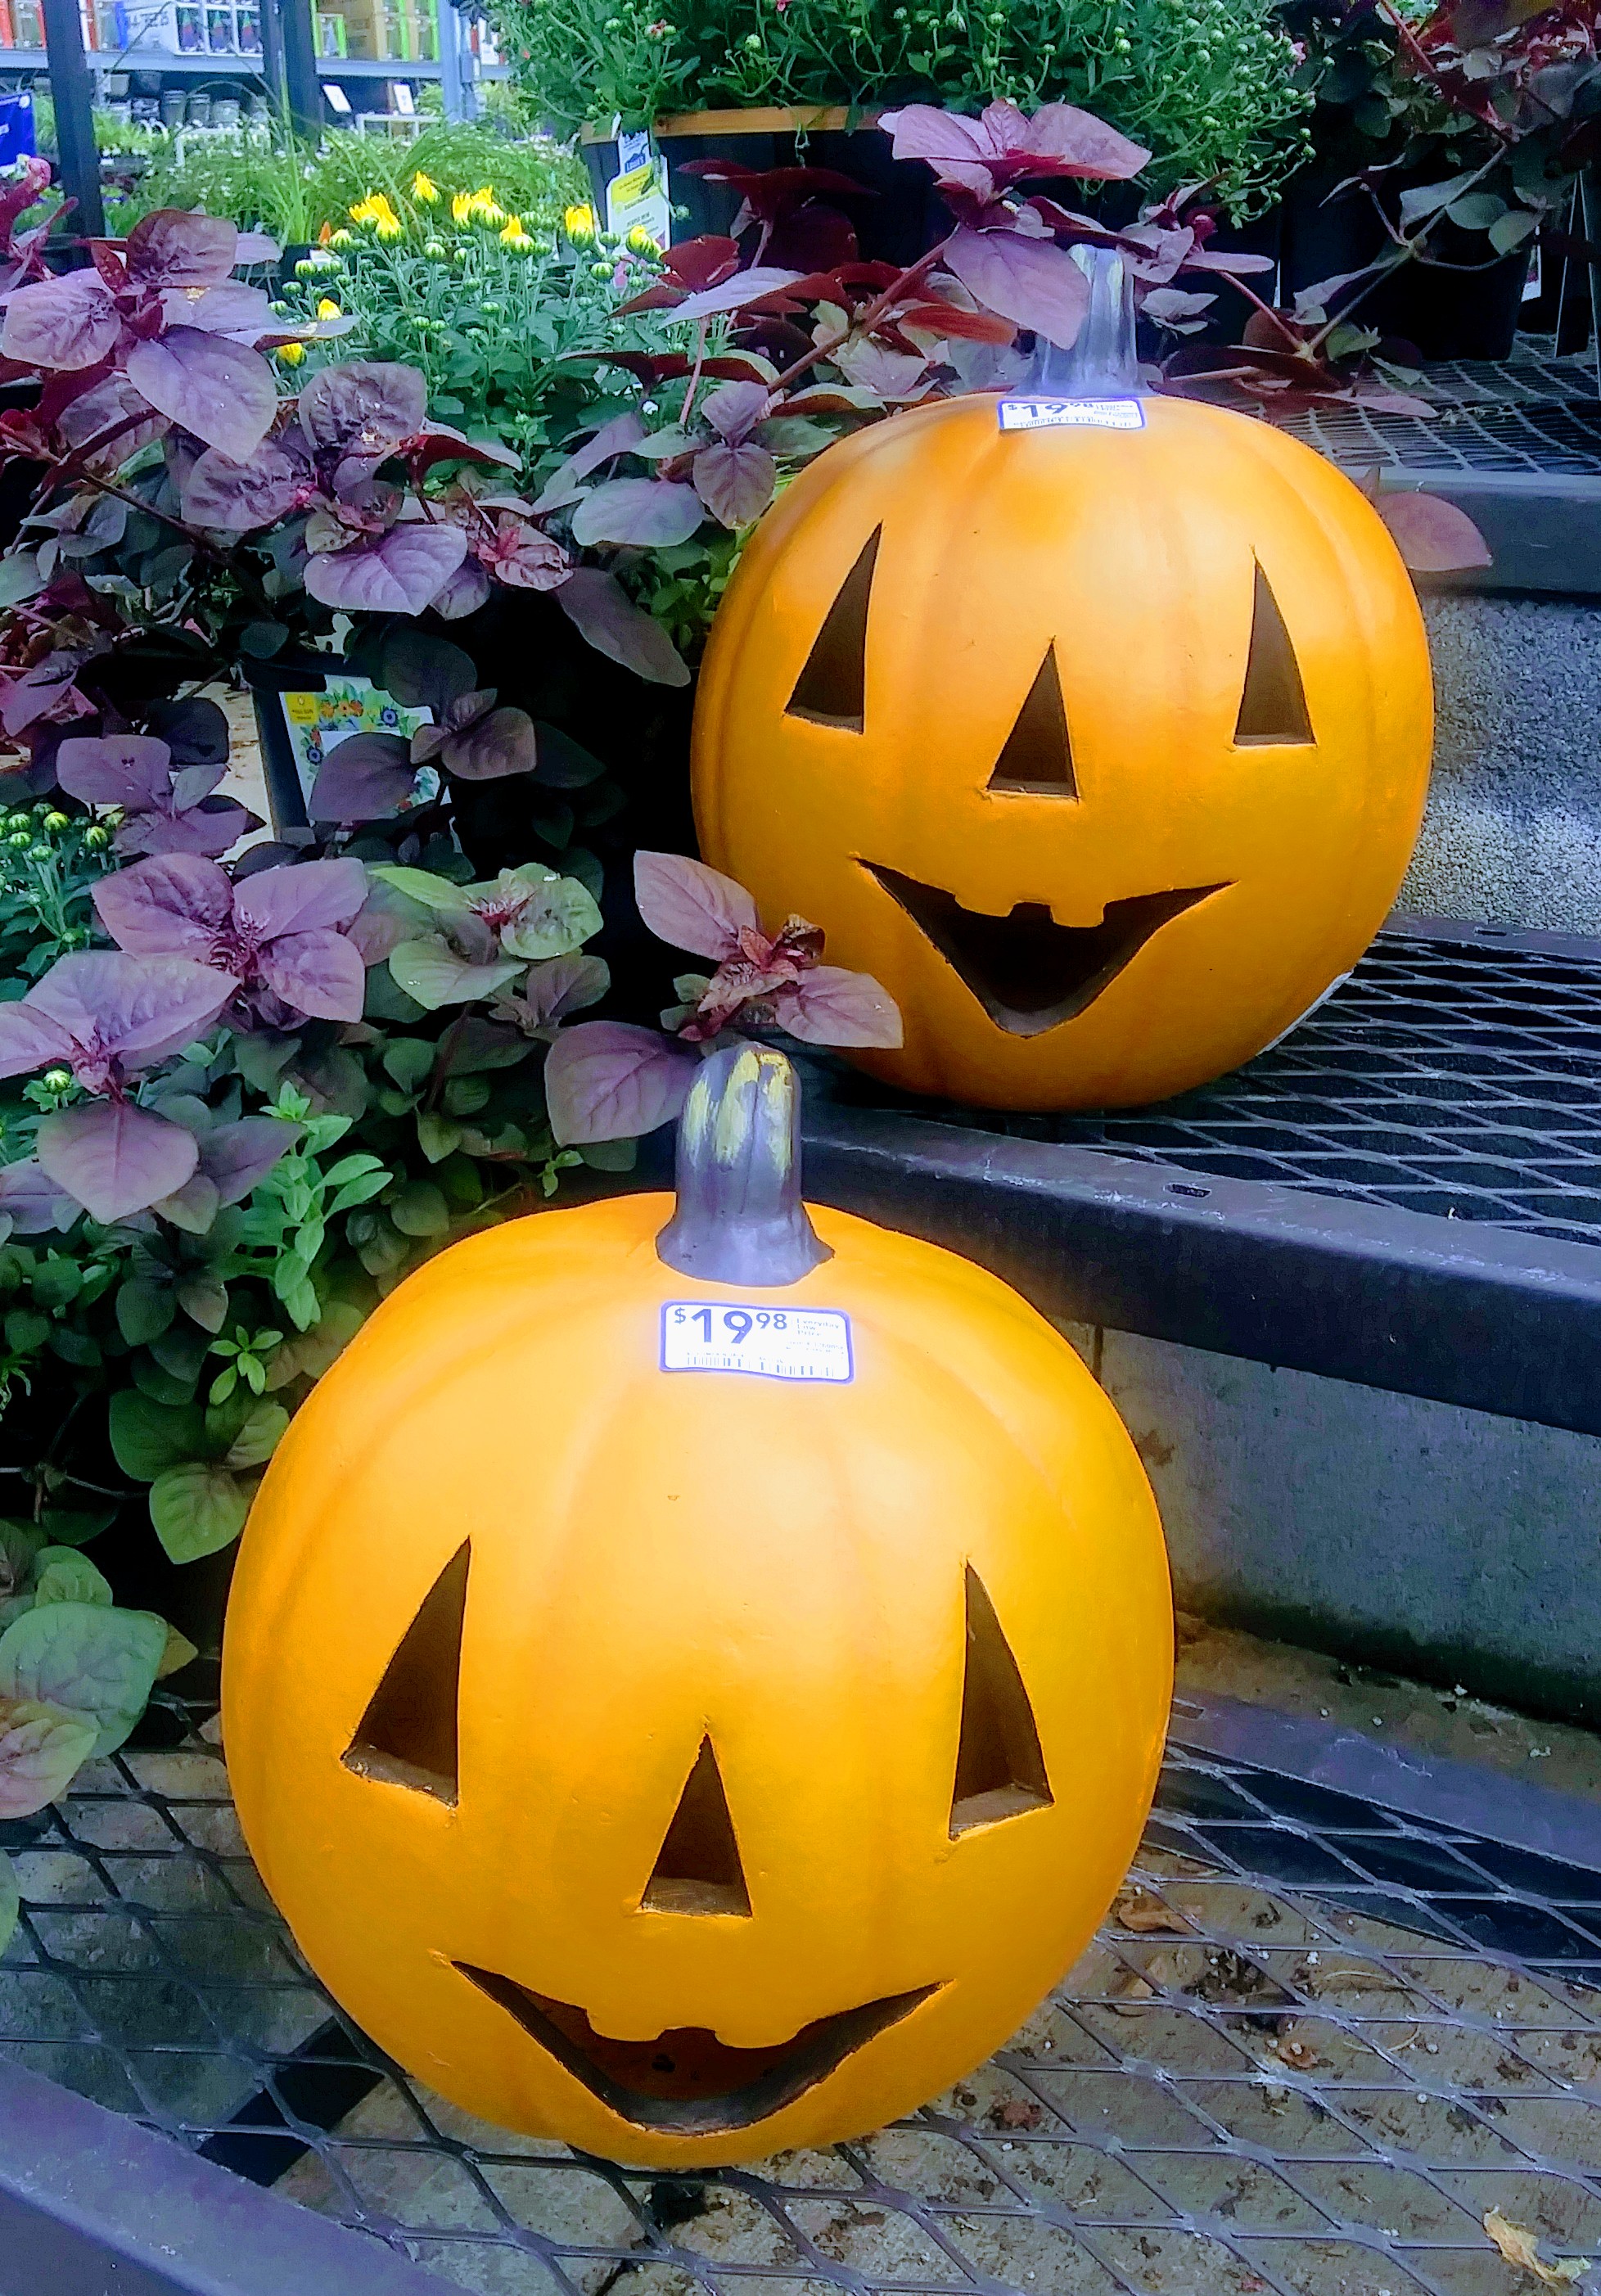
x=640 y=243
x=515 y=236
x=376 y=211
x=329 y=309
x=291 y=354
x=424 y=188
x=579 y=225
x=461 y=208
x=342 y=239
x=486 y=212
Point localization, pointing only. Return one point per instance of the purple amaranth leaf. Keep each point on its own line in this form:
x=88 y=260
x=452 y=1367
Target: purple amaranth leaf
x=1171 y=307
x=689 y=906
x=956 y=149
x=370 y=404
x=30 y=1039
x=195 y=730
x=606 y=1080
x=173 y=905
x=222 y=392
x=1433 y=536
x=236 y=496
x=463 y=592
x=173 y=248
x=501 y=744
x=311 y=897
x=1070 y=142
x=614 y=438
x=734 y=409
x=388 y=920
x=1031 y=281
x=424 y=672
x=70 y=323
x=131 y=1010
x=106 y=406
x=42 y=1749
x=233 y=309
x=598 y=606
x=397 y=574
x=234 y=1156
x=366 y=778
x=191 y=784
x=32 y=1201
x=126 y=769
x=320 y=974
x=256 y=247
x=523 y=556
x=556 y=985
x=656 y=511
x=115 y=1158
x=41 y=688
x=736 y=483
x=745 y=287
x=830 y=1006
x=209 y=827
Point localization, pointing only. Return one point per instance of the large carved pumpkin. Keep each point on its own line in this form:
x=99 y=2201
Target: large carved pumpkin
x=1104 y=750
x=690 y=1762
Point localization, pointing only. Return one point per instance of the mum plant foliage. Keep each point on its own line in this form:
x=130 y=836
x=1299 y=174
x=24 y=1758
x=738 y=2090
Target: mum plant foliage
x=1210 y=86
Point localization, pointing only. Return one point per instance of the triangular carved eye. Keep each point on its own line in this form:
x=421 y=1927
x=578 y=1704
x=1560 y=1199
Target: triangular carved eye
x=1000 y=1770
x=831 y=689
x=408 y=1734
x=698 y=1870
x=1273 y=705
x=1038 y=757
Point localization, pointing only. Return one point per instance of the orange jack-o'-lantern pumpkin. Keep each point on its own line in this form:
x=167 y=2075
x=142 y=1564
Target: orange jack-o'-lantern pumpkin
x=692 y=1687
x=1103 y=748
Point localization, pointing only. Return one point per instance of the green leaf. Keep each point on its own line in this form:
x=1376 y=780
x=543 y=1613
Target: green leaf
x=160 y=1385
x=179 y=1652
x=431 y=973
x=182 y=1351
x=19 y=1543
x=436 y=1136
x=360 y=1191
x=57 y=1283
x=419 y=1209
x=223 y=1384
x=144 y=1309
x=147 y=1438
x=197 y=1508
x=262 y=1060
x=351 y=1168
x=609 y=1155
x=75 y=1525
x=303 y=1305
x=25 y=1331
x=205 y=1298
x=259 y=1437
x=436 y=893
x=464 y=1096
x=63 y=1576
x=86 y=1659
x=1477 y=211
x=10 y=1901
x=409 y=1061
x=73 y=1347
x=564 y=917
x=42 y=1751
x=1511 y=229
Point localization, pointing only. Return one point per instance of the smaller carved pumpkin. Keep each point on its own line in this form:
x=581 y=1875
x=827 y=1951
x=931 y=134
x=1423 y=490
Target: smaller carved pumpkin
x=1103 y=748
x=693 y=1683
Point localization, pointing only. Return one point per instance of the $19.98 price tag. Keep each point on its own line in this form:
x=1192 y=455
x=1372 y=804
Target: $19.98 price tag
x=808 y=1343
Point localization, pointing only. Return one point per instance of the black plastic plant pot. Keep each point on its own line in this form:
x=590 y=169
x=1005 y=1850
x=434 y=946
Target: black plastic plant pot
x=1460 y=307
x=899 y=216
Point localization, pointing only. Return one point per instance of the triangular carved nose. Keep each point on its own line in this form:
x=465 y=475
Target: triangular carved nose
x=1273 y=702
x=1000 y=1770
x=1037 y=757
x=408 y=1734
x=698 y=1869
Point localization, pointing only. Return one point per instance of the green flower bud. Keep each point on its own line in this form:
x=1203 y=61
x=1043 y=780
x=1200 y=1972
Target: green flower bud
x=19 y=838
x=58 y=1080
x=40 y=852
x=96 y=837
x=58 y=821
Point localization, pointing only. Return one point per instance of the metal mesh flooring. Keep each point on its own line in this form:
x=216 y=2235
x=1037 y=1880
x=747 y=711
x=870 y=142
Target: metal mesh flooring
x=1312 y=2047
x=1533 y=415
x=1452 y=1077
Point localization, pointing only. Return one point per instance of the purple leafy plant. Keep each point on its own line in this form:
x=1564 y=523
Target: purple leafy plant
x=167 y=806
x=279 y=935
x=611 y=1080
x=104 y=1018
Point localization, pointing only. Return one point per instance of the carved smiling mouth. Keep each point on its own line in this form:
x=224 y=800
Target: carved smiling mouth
x=686 y=2080
x=1029 y=972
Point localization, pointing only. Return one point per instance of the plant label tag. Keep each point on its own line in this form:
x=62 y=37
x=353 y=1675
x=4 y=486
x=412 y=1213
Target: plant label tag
x=1072 y=414
x=808 y=1343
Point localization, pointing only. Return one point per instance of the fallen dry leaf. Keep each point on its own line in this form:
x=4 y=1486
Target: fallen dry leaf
x=1520 y=2246
x=1290 y=2049
x=1137 y=1910
x=1018 y=2112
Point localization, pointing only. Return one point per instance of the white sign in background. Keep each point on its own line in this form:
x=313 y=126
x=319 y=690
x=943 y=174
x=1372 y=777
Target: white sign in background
x=807 y=1343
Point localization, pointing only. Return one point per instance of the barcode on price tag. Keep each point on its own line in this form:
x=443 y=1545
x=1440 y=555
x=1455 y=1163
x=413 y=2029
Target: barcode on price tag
x=1072 y=414
x=811 y=1343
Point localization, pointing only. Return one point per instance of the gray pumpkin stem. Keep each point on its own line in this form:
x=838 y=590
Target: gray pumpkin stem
x=739 y=1217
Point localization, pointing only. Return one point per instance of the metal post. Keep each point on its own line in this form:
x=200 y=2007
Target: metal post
x=448 y=22
x=302 y=89
x=71 y=93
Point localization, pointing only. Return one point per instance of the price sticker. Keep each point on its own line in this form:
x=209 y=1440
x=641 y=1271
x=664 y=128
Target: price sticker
x=1072 y=414
x=809 y=1343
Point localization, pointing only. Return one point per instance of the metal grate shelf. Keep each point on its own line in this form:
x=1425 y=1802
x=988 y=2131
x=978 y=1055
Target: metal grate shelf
x=1314 y=2044
x=1459 y=1078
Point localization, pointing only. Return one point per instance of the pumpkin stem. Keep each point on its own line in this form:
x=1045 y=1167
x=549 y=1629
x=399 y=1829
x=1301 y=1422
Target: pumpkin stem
x=1102 y=363
x=740 y=1218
